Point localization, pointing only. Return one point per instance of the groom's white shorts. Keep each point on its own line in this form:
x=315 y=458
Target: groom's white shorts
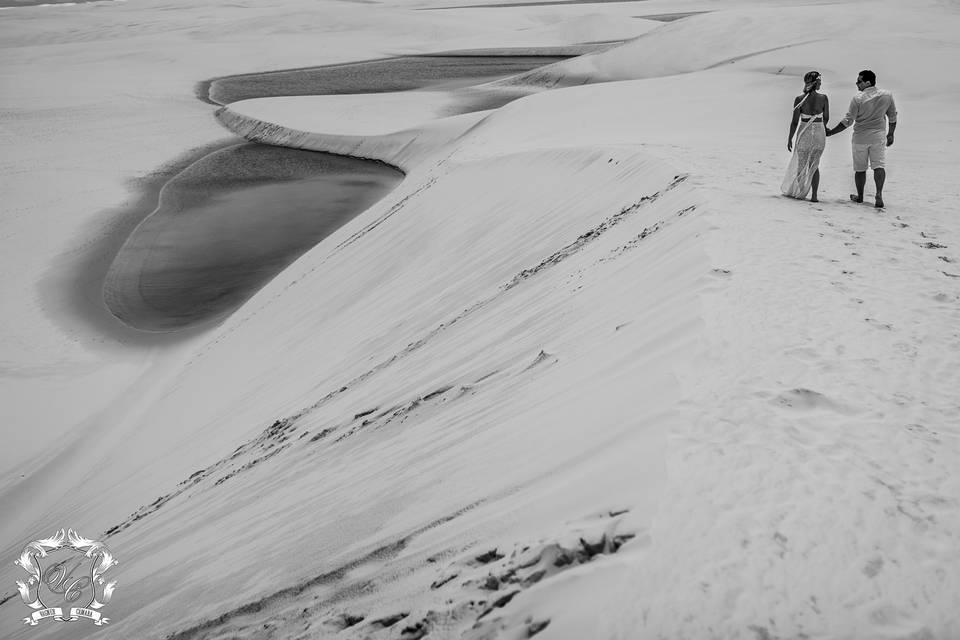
x=874 y=152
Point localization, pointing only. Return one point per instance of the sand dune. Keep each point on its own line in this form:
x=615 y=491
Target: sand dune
x=582 y=374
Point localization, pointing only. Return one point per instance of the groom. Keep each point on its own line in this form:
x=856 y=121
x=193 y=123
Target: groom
x=869 y=112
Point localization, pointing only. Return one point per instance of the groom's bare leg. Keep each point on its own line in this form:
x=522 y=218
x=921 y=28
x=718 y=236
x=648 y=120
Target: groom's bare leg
x=879 y=177
x=860 y=179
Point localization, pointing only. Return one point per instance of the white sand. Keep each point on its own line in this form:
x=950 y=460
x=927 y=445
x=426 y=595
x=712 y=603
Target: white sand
x=585 y=332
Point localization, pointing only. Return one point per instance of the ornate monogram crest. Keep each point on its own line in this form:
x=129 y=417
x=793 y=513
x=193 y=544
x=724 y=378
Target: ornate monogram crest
x=66 y=575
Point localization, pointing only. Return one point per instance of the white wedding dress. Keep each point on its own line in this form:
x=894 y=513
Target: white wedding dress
x=807 y=149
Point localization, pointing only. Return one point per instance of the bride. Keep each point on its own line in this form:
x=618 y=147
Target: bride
x=811 y=111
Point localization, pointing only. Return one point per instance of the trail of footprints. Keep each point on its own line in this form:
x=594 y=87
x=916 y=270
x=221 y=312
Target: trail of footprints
x=284 y=433
x=928 y=241
x=273 y=440
x=469 y=597
x=596 y=232
x=477 y=588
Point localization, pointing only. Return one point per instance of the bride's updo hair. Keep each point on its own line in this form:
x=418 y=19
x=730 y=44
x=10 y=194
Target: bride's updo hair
x=811 y=81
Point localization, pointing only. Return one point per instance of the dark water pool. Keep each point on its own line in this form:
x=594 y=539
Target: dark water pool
x=375 y=76
x=228 y=224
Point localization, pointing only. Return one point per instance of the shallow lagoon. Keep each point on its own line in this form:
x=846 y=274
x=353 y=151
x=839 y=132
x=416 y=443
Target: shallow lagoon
x=228 y=224
x=400 y=73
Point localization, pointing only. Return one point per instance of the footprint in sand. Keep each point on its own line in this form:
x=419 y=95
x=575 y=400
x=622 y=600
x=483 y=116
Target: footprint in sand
x=801 y=399
x=906 y=349
x=389 y=621
x=340 y=622
x=923 y=433
x=879 y=325
x=806 y=354
x=873 y=567
x=903 y=399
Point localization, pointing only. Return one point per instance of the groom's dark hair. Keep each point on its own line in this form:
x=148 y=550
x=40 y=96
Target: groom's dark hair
x=869 y=76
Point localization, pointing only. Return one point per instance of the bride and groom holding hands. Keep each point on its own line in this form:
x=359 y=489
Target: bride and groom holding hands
x=870 y=112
